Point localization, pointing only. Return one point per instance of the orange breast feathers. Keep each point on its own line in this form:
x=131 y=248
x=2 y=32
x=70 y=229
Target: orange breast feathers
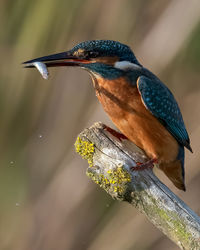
x=122 y=102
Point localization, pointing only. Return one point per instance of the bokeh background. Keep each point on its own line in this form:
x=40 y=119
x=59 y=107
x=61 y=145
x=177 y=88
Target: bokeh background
x=46 y=200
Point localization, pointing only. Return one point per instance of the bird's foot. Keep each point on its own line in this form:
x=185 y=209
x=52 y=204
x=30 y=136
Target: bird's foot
x=116 y=134
x=141 y=166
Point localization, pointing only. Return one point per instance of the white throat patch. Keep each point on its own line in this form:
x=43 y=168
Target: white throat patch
x=124 y=65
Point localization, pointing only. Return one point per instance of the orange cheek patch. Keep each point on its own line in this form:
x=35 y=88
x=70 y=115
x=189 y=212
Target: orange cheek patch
x=79 y=52
x=106 y=59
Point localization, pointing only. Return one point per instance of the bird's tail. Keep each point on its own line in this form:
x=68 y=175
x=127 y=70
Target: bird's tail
x=175 y=170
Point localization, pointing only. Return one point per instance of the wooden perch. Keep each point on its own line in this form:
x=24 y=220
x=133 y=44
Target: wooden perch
x=110 y=160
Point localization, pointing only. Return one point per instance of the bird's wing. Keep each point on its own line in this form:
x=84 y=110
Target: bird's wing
x=158 y=99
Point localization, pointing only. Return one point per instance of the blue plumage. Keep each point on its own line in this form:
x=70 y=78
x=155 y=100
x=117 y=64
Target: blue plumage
x=159 y=100
x=181 y=158
x=107 y=48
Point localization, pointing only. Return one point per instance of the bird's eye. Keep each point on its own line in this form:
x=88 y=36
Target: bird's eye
x=93 y=53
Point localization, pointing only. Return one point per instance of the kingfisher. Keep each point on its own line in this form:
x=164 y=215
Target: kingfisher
x=140 y=105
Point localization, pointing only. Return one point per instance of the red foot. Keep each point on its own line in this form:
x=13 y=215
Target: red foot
x=141 y=166
x=116 y=134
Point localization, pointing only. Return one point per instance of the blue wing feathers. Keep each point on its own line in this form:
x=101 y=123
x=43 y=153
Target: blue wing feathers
x=159 y=100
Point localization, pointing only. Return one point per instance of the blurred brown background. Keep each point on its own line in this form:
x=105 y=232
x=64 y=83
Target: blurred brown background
x=46 y=200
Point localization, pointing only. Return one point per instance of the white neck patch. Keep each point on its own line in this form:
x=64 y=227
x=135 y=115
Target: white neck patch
x=124 y=65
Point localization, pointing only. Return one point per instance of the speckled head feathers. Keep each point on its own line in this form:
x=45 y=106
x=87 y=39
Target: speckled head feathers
x=107 y=48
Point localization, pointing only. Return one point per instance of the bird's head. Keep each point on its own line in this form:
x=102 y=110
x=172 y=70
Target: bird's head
x=105 y=58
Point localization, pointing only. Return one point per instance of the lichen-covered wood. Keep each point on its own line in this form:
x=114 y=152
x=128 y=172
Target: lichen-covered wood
x=110 y=160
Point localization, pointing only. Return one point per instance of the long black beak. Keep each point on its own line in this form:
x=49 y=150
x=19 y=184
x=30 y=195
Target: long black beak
x=55 y=60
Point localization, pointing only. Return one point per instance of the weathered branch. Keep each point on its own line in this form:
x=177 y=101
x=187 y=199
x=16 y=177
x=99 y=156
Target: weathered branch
x=110 y=160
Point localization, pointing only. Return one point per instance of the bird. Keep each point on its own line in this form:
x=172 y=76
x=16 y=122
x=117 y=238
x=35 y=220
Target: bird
x=139 y=104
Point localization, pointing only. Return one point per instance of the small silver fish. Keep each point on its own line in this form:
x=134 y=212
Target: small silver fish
x=42 y=68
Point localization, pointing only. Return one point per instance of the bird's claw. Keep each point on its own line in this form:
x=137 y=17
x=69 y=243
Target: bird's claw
x=142 y=166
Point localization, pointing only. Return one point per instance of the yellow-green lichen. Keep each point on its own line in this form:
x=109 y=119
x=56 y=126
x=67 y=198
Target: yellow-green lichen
x=114 y=180
x=179 y=230
x=85 y=149
x=174 y=226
